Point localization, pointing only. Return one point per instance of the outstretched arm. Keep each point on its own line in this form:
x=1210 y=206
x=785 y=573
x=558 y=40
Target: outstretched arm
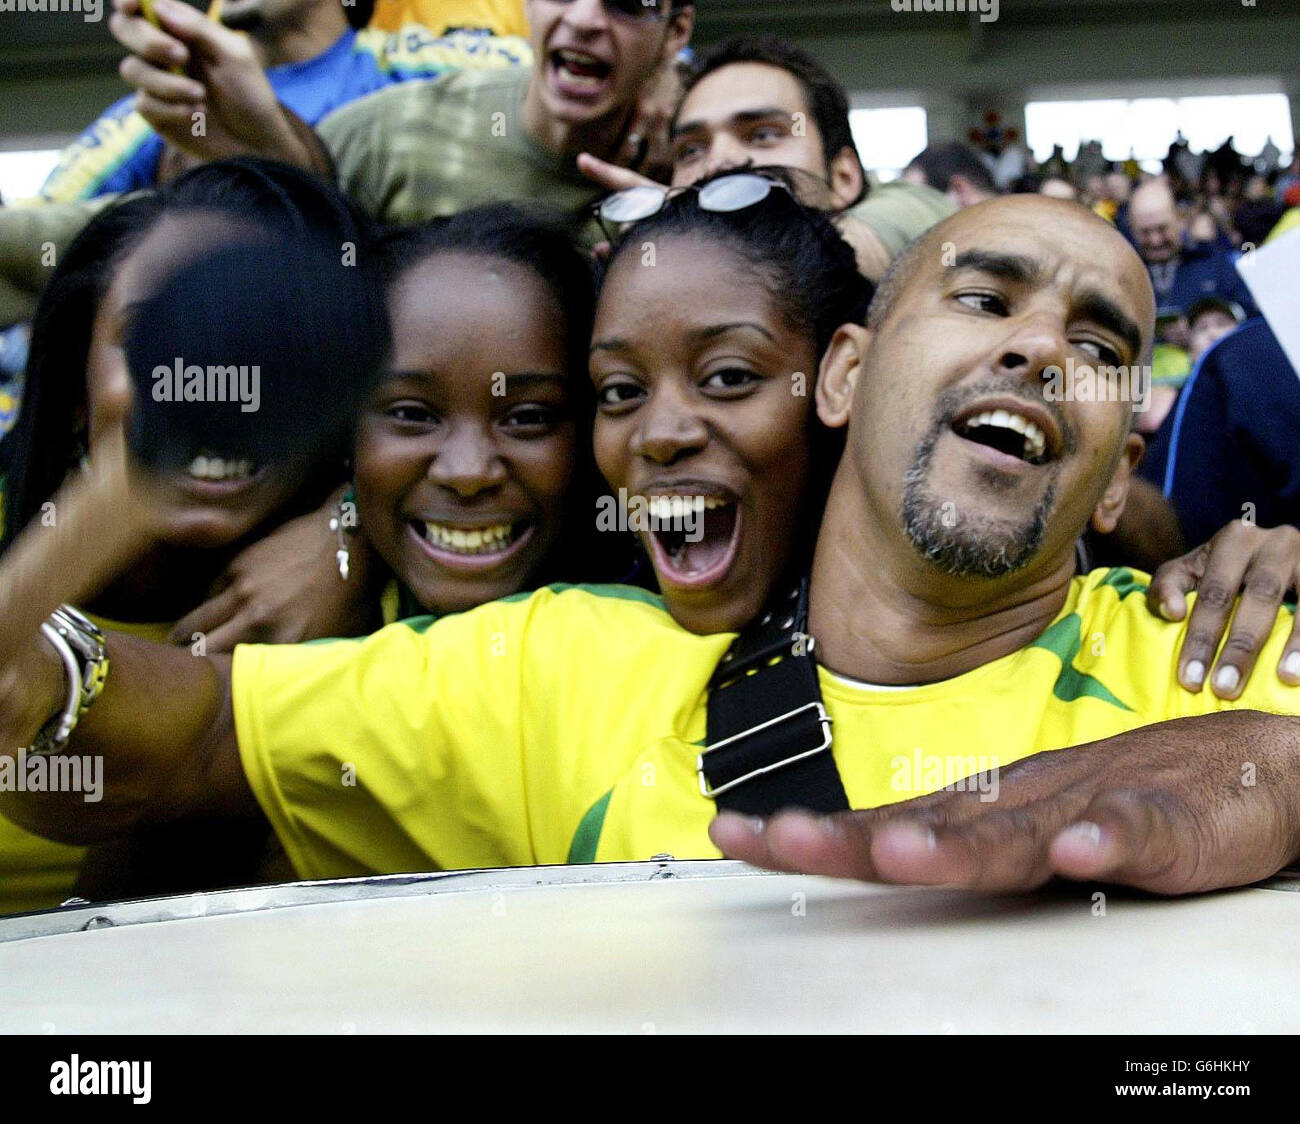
x=1181 y=807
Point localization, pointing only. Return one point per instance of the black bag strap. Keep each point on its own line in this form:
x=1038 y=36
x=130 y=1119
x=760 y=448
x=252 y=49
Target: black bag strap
x=769 y=736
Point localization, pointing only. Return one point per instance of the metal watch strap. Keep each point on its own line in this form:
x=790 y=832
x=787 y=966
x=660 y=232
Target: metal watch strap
x=80 y=645
x=769 y=736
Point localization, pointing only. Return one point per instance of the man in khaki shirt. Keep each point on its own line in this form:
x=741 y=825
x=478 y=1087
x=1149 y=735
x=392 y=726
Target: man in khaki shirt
x=766 y=102
x=432 y=148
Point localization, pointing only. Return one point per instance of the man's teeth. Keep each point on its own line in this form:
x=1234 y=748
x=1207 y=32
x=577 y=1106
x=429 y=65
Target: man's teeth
x=1035 y=439
x=476 y=540
x=215 y=468
x=582 y=67
x=666 y=509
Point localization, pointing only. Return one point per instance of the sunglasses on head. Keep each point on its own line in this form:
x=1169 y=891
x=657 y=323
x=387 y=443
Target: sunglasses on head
x=633 y=9
x=723 y=195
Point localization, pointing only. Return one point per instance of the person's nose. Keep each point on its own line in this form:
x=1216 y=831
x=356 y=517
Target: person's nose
x=726 y=153
x=585 y=15
x=467 y=462
x=1034 y=342
x=668 y=429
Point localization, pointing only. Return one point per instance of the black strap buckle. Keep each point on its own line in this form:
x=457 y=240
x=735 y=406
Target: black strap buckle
x=768 y=730
x=820 y=716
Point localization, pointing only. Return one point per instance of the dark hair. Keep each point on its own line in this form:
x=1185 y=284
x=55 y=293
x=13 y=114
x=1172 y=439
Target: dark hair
x=1031 y=183
x=826 y=98
x=46 y=439
x=809 y=271
x=940 y=162
x=49 y=432
x=502 y=230
x=506 y=232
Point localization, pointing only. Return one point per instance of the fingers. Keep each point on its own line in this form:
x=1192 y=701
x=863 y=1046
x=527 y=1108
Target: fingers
x=212 y=613
x=161 y=85
x=796 y=841
x=150 y=43
x=248 y=626
x=611 y=176
x=1129 y=839
x=1003 y=850
x=165 y=116
x=1167 y=595
x=1227 y=560
x=1288 y=667
x=1269 y=576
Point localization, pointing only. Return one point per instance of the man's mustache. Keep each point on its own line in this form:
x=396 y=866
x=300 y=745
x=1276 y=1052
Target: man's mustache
x=955 y=399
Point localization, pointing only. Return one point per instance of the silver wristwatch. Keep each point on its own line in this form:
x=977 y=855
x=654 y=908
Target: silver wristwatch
x=81 y=647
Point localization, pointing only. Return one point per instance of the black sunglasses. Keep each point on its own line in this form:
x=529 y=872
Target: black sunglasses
x=633 y=9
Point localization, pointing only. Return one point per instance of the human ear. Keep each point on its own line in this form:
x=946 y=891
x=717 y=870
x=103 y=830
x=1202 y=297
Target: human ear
x=837 y=378
x=847 y=179
x=681 y=25
x=1106 y=515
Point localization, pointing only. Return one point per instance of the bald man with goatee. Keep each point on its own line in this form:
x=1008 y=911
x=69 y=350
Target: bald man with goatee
x=953 y=635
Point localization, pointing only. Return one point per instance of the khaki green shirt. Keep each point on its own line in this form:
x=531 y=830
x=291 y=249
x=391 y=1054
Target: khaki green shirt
x=900 y=212
x=421 y=150
x=32 y=240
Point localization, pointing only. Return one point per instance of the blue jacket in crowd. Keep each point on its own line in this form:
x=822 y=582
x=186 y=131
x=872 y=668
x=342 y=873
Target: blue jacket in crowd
x=1233 y=439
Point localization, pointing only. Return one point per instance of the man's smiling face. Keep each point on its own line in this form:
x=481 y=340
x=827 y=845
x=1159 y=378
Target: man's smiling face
x=952 y=435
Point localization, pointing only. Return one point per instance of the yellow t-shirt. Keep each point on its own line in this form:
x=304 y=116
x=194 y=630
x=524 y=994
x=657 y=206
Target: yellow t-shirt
x=564 y=726
x=36 y=873
x=501 y=17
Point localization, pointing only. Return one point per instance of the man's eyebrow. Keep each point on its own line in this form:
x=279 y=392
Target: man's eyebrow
x=743 y=117
x=1022 y=270
x=1009 y=267
x=1109 y=315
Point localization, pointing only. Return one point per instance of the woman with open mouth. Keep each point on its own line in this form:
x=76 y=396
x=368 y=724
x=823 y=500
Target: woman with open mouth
x=705 y=368
x=717 y=305
x=474 y=478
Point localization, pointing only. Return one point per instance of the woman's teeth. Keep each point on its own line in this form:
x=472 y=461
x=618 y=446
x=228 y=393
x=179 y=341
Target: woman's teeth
x=476 y=540
x=215 y=468
x=668 y=508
